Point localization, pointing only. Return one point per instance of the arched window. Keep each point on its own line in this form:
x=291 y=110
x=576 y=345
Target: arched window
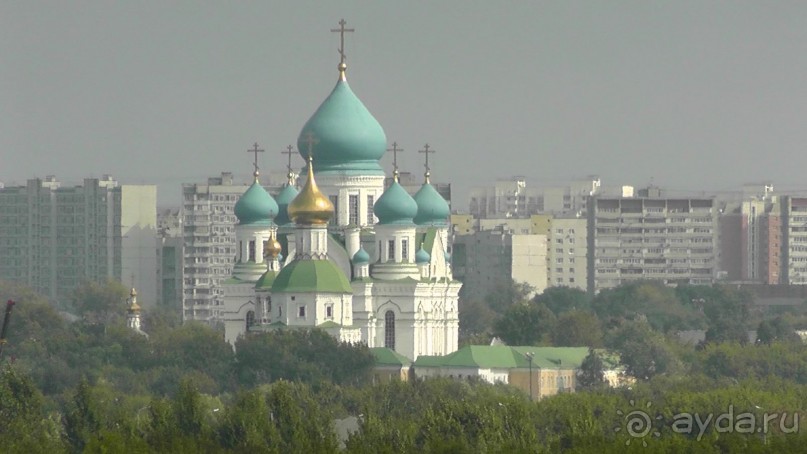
x=250 y=319
x=389 y=330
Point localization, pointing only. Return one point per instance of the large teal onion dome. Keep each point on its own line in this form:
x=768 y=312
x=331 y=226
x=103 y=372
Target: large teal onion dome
x=432 y=207
x=361 y=256
x=256 y=206
x=349 y=139
x=395 y=206
x=422 y=257
x=284 y=198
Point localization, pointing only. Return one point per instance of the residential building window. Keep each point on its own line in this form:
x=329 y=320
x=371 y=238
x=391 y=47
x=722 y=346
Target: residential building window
x=391 y=251
x=389 y=330
x=353 y=210
x=370 y=201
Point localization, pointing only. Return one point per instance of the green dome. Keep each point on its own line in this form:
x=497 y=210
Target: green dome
x=285 y=197
x=361 y=256
x=309 y=276
x=266 y=280
x=349 y=137
x=256 y=206
x=432 y=207
x=422 y=256
x=395 y=206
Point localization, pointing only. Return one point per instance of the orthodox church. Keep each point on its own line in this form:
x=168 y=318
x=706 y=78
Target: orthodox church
x=345 y=254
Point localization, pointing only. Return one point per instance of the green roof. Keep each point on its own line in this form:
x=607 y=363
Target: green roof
x=304 y=276
x=266 y=281
x=329 y=324
x=507 y=357
x=428 y=240
x=388 y=357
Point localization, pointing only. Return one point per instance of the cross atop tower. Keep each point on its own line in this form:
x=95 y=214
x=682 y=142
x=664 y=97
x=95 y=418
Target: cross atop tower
x=289 y=151
x=255 y=150
x=342 y=30
x=427 y=151
x=395 y=150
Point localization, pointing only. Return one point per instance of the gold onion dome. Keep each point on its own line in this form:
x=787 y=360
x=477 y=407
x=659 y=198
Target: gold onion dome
x=310 y=207
x=273 y=248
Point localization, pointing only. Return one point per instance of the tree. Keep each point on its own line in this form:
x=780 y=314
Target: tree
x=524 y=324
x=778 y=329
x=643 y=352
x=506 y=293
x=564 y=299
x=727 y=311
x=100 y=303
x=577 y=328
x=591 y=373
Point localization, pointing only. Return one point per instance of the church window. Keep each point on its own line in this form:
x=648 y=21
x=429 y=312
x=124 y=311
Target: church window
x=329 y=311
x=404 y=248
x=301 y=311
x=370 y=220
x=280 y=311
x=250 y=319
x=353 y=210
x=389 y=330
x=252 y=251
x=240 y=251
x=391 y=251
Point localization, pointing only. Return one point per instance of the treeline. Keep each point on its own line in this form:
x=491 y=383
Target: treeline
x=92 y=385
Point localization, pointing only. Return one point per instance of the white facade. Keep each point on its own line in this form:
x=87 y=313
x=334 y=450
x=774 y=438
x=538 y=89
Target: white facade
x=567 y=251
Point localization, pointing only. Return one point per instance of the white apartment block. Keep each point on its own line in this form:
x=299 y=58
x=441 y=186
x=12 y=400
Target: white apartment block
x=669 y=240
x=567 y=250
x=208 y=229
x=795 y=244
x=486 y=258
x=53 y=238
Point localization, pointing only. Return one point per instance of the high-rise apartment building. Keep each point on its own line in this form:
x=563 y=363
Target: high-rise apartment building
x=794 y=220
x=669 y=240
x=53 y=238
x=567 y=250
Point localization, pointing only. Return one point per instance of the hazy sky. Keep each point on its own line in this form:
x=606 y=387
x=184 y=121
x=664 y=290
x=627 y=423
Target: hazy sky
x=689 y=94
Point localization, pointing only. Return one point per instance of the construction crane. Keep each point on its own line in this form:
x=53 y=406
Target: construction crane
x=9 y=305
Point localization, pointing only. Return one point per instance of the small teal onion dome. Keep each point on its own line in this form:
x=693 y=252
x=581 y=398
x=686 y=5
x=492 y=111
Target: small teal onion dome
x=349 y=138
x=360 y=257
x=256 y=206
x=432 y=207
x=286 y=195
x=422 y=257
x=395 y=206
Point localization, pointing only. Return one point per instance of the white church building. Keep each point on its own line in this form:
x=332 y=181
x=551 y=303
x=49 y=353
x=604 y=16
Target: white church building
x=344 y=254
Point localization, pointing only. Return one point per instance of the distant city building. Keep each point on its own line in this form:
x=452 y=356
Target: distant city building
x=567 y=252
x=669 y=240
x=53 y=238
x=794 y=225
x=513 y=199
x=489 y=257
x=170 y=247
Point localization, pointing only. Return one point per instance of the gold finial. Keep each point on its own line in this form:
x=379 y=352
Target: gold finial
x=311 y=206
x=290 y=175
x=272 y=248
x=255 y=150
x=395 y=151
x=342 y=30
x=133 y=306
x=427 y=151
